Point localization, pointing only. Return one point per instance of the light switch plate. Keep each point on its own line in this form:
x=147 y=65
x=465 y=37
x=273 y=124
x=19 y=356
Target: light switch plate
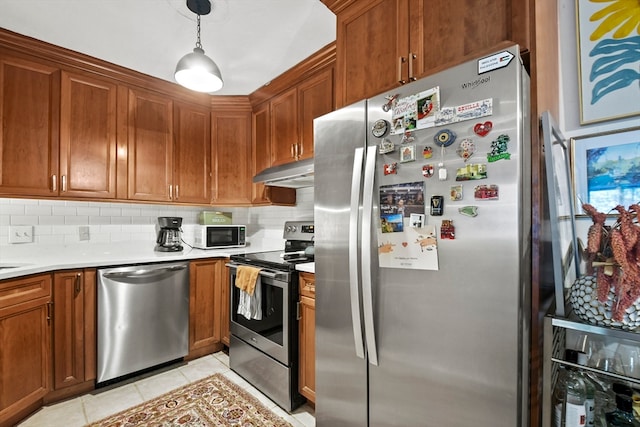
x=20 y=233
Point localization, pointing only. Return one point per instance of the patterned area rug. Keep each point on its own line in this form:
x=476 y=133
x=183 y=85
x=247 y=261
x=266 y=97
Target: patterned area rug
x=211 y=402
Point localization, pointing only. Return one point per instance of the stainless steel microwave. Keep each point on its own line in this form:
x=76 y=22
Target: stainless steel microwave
x=220 y=236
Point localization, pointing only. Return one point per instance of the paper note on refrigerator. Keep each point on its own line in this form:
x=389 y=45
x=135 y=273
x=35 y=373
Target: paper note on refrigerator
x=414 y=248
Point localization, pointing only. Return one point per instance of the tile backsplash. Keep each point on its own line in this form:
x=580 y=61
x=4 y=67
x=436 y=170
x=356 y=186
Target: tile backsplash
x=60 y=222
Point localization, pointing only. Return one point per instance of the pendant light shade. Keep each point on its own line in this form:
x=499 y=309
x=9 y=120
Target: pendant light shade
x=196 y=71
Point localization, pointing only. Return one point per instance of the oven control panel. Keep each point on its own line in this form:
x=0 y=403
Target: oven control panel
x=299 y=230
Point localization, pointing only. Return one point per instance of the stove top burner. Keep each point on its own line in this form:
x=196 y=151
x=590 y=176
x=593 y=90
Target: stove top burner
x=272 y=259
x=298 y=249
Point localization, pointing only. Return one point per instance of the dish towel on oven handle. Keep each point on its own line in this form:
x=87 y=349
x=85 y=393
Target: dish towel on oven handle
x=250 y=301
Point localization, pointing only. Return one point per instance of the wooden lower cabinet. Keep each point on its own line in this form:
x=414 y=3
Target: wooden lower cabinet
x=225 y=303
x=74 y=332
x=307 y=326
x=25 y=346
x=207 y=279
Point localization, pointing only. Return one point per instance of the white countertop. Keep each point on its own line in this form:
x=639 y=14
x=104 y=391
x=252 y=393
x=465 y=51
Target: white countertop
x=39 y=258
x=308 y=267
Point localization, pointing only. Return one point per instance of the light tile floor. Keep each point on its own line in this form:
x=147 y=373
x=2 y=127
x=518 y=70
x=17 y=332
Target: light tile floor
x=106 y=401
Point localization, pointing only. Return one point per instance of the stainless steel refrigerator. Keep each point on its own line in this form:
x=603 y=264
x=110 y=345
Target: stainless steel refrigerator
x=422 y=252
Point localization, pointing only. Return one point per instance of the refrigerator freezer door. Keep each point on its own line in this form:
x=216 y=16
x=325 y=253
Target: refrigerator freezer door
x=341 y=376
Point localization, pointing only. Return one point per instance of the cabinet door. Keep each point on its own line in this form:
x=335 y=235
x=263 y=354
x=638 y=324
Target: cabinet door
x=29 y=127
x=74 y=327
x=87 y=137
x=261 y=149
x=308 y=347
x=150 y=141
x=231 y=147
x=445 y=31
x=204 y=308
x=25 y=344
x=372 y=47
x=192 y=172
x=315 y=98
x=68 y=328
x=284 y=127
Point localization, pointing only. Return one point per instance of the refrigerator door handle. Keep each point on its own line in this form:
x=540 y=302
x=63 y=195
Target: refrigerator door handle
x=367 y=282
x=356 y=182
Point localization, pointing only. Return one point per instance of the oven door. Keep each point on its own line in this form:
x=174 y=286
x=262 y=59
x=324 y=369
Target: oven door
x=270 y=334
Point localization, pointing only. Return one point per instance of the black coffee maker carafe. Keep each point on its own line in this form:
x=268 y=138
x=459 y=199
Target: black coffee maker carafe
x=169 y=234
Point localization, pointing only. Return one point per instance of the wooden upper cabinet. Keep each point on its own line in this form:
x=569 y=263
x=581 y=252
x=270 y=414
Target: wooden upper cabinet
x=87 y=137
x=285 y=138
x=446 y=31
x=292 y=114
x=382 y=44
x=29 y=126
x=192 y=164
x=150 y=146
x=371 y=40
x=260 y=149
x=231 y=150
x=315 y=98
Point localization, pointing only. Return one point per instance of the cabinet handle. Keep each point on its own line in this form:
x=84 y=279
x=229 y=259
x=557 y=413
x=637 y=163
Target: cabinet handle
x=64 y=183
x=177 y=192
x=300 y=149
x=293 y=155
x=412 y=56
x=170 y=192
x=401 y=60
x=78 y=284
x=54 y=183
x=49 y=311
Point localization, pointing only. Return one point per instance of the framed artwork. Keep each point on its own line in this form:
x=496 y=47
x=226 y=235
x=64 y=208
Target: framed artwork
x=608 y=60
x=606 y=169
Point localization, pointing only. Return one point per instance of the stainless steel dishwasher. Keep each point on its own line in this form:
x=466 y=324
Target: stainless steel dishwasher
x=143 y=317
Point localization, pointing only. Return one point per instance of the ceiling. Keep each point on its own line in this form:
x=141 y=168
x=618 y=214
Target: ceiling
x=252 y=41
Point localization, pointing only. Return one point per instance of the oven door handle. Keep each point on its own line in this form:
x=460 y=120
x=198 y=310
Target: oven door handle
x=268 y=274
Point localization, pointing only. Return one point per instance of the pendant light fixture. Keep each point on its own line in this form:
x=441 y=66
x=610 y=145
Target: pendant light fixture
x=195 y=70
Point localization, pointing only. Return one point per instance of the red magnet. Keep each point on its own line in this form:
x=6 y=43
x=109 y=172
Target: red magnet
x=390 y=168
x=482 y=129
x=447 y=230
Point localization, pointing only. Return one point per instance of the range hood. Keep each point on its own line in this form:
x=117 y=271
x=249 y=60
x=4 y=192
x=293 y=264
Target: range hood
x=291 y=175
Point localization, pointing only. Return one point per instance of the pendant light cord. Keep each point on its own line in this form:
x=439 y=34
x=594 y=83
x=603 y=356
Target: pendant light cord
x=198 y=44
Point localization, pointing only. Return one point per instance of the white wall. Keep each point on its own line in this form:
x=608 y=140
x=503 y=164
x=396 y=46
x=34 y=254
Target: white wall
x=57 y=222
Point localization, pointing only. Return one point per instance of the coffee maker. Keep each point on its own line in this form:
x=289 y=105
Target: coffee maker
x=169 y=234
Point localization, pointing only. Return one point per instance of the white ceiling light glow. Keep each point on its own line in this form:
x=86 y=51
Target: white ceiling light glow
x=196 y=71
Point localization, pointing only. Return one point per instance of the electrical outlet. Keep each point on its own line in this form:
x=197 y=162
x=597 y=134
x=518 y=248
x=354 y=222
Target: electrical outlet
x=83 y=232
x=20 y=233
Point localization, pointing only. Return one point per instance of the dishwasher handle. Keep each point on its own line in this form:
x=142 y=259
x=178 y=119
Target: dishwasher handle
x=143 y=273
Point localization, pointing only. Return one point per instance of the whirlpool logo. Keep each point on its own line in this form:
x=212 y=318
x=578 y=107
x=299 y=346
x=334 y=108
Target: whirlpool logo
x=475 y=83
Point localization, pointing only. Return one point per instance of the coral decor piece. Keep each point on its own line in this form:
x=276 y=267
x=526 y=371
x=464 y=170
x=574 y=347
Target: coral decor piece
x=613 y=253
